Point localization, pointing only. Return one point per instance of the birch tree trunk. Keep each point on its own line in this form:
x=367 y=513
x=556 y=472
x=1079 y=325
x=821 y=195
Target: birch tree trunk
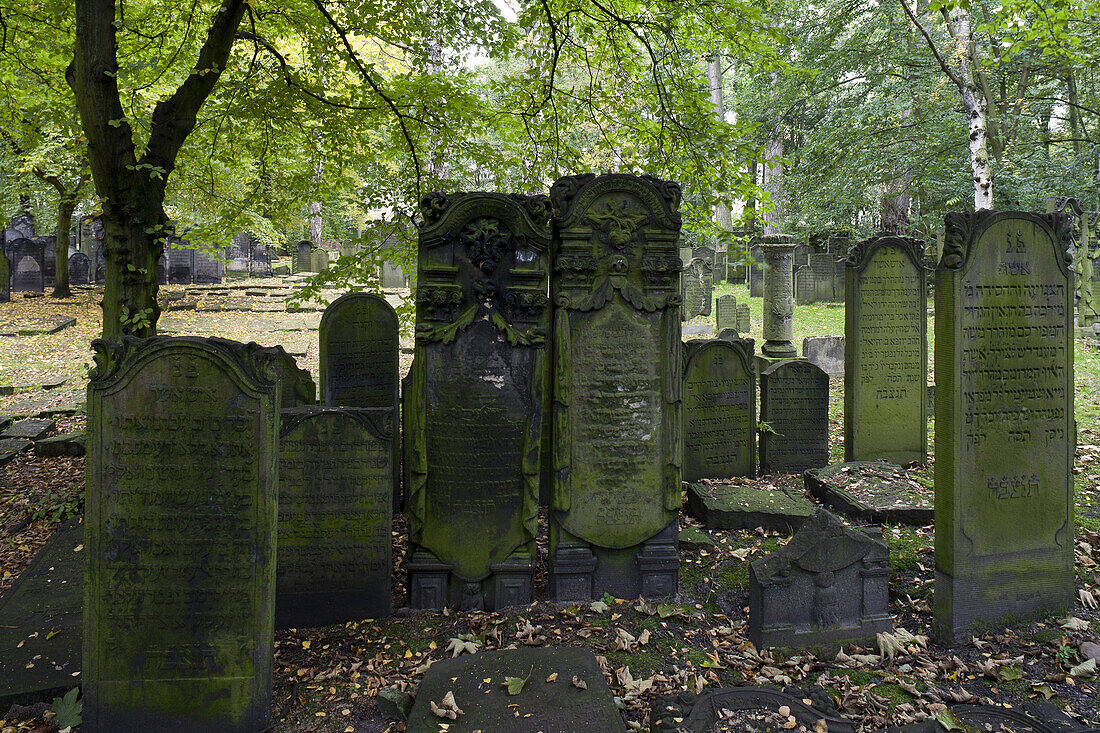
x=714 y=80
x=975 y=107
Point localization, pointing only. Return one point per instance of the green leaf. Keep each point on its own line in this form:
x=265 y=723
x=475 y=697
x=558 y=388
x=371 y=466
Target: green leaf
x=515 y=685
x=947 y=719
x=67 y=709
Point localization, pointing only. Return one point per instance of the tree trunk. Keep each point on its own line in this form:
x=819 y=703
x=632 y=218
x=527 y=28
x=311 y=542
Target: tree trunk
x=977 y=113
x=61 y=259
x=773 y=176
x=714 y=79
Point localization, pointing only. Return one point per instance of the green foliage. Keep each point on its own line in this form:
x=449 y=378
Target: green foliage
x=67 y=709
x=57 y=506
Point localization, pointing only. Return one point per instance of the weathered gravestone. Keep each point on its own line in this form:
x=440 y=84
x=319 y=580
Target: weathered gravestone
x=208 y=269
x=825 y=351
x=27 y=266
x=565 y=692
x=318 y=260
x=748 y=710
x=358 y=340
x=5 y=278
x=392 y=276
x=698 y=289
x=49 y=258
x=778 y=306
x=336 y=479
x=794 y=407
x=1004 y=420
x=885 y=352
x=615 y=491
x=476 y=400
x=743 y=324
x=162 y=270
x=302 y=259
x=1088 y=272
x=79 y=269
x=828 y=586
x=719 y=410
x=180 y=536
x=828 y=289
x=298 y=387
x=181 y=262
x=260 y=263
x=725 y=312
x=805 y=285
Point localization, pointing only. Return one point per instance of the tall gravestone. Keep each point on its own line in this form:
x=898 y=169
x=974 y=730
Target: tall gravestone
x=805 y=286
x=27 y=266
x=794 y=407
x=885 y=352
x=5 y=278
x=725 y=312
x=302 y=257
x=208 y=269
x=79 y=269
x=615 y=491
x=260 y=263
x=180 y=536
x=336 y=478
x=719 y=410
x=358 y=340
x=1088 y=274
x=1004 y=420
x=743 y=324
x=476 y=399
x=49 y=258
x=698 y=289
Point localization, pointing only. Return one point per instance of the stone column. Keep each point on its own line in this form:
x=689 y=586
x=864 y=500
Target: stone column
x=778 y=252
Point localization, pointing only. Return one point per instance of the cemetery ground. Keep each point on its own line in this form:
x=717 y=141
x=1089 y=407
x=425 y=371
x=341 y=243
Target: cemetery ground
x=327 y=679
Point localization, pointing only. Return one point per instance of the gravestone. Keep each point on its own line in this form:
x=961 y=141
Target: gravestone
x=359 y=346
x=698 y=289
x=743 y=324
x=874 y=491
x=719 y=271
x=615 y=491
x=733 y=506
x=756 y=281
x=392 y=276
x=208 y=269
x=823 y=266
x=1088 y=271
x=162 y=270
x=825 y=351
x=318 y=260
x=21 y=227
x=181 y=262
x=5 y=278
x=794 y=405
x=745 y=710
x=298 y=387
x=302 y=258
x=27 y=265
x=1004 y=420
x=805 y=286
x=337 y=471
x=827 y=587
x=885 y=359
x=49 y=258
x=79 y=267
x=238 y=247
x=477 y=399
x=260 y=264
x=802 y=254
x=704 y=253
x=549 y=702
x=719 y=410
x=180 y=529
x=778 y=324
x=725 y=312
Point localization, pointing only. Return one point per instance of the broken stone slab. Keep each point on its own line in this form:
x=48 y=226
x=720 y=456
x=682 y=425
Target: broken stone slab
x=40 y=638
x=874 y=491
x=690 y=713
x=11 y=447
x=394 y=704
x=67 y=444
x=693 y=538
x=731 y=506
x=32 y=430
x=576 y=699
x=36 y=326
x=1035 y=717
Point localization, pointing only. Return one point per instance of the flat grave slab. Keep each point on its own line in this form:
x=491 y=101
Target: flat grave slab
x=477 y=682
x=67 y=444
x=874 y=491
x=42 y=611
x=1035 y=717
x=747 y=709
x=36 y=326
x=11 y=447
x=731 y=506
x=34 y=429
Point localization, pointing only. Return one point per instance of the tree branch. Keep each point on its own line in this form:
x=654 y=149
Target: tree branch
x=960 y=83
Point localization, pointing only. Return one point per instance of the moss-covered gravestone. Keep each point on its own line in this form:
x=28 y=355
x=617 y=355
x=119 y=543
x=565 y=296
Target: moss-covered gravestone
x=476 y=399
x=358 y=348
x=1004 y=420
x=698 y=289
x=336 y=477
x=885 y=352
x=180 y=536
x=719 y=410
x=618 y=442
x=298 y=387
x=794 y=407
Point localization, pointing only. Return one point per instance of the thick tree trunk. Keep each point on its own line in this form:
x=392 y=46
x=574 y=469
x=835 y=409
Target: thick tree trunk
x=61 y=259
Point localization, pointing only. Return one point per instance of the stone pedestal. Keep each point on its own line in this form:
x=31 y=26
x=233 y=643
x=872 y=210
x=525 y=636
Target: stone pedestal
x=778 y=254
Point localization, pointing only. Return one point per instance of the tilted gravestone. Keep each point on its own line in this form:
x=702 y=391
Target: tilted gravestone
x=27 y=266
x=828 y=586
x=476 y=399
x=358 y=340
x=698 y=289
x=79 y=268
x=885 y=352
x=725 y=312
x=180 y=526
x=615 y=491
x=336 y=479
x=5 y=278
x=794 y=407
x=719 y=410
x=1004 y=420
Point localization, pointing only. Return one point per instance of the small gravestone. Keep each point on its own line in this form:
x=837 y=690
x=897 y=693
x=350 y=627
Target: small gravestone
x=874 y=491
x=616 y=479
x=476 y=403
x=41 y=629
x=719 y=410
x=27 y=266
x=794 y=407
x=885 y=352
x=564 y=692
x=392 y=276
x=5 y=278
x=1004 y=421
x=805 y=286
x=743 y=323
x=748 y=710
x=302 y=258
x=826 y=352
x=731 y=506
x=725 y=312
x=698 y=289
x=358 y=342
x=180 y=529
x=827 y=587
x=79 y=266
x=336 y=480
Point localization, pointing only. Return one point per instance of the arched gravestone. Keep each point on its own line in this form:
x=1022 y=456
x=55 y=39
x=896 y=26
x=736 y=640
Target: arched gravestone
x=794 y=407
x=725 y=312
x=336 y=478
x=27 y=265
x=719 y=410
x=1004 y=420
x=476 y=399
x=302 y=259
x=79 y=267
x=358 y=343
x=618 y=441
x=885 y=352
x=180 y=530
